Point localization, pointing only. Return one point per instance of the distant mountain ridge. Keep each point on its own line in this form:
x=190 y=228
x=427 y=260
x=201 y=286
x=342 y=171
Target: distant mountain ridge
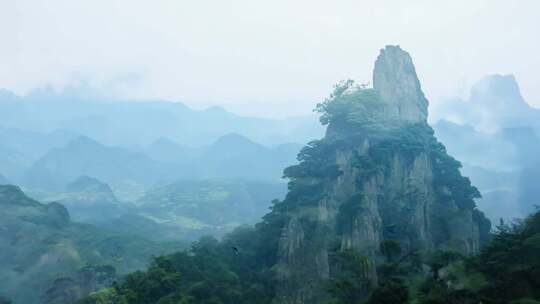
x=12 y=162
x=85 y=156
x=166 y=150
x=140 y=123
x=34 y=144
x=495 y=103
x=49 y=139
x=89 y=184
x=89 y=200
x=235 y=156
x=231 y=156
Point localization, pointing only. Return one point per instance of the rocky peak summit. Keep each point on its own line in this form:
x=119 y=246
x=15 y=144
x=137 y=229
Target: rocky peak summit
x=495 y=103
x=498 y=91
x=394 y=77
x=378 y=179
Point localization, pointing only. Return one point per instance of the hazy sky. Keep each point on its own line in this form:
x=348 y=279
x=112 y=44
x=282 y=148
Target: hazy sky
x=261 y=57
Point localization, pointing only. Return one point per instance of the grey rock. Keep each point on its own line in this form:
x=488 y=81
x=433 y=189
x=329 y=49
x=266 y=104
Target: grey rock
x=395 y=78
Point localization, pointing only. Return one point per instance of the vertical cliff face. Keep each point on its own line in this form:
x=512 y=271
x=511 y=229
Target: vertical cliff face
x=379 y=177
x=394 y=77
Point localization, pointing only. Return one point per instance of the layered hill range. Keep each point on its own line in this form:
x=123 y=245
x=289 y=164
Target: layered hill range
x=378 y=177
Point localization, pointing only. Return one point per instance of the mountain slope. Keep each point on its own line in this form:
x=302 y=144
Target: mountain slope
x=88 y=200
x=124 y=123
x=166 y=150
x=84 y=156
x=12 y=162
x=34 y=144
x=497 y=103
x=231 y=157
x=39 y=245
x=235 y=156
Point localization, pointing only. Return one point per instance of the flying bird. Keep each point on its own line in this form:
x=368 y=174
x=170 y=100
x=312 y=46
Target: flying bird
x=235 y=250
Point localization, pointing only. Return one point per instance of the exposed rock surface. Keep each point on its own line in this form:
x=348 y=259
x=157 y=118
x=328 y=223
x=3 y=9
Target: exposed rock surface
x=394 y=77
x=370 y=181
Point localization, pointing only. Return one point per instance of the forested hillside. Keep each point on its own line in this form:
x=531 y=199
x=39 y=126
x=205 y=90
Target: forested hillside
x=45 y=257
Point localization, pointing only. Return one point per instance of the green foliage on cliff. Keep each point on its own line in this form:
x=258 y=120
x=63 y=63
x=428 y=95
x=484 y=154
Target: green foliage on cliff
x=358 y=113
x=353 y=104
x=506 y=271
x=352 y=283
x=406 y=145
x=409 y=142
x=308 y=178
